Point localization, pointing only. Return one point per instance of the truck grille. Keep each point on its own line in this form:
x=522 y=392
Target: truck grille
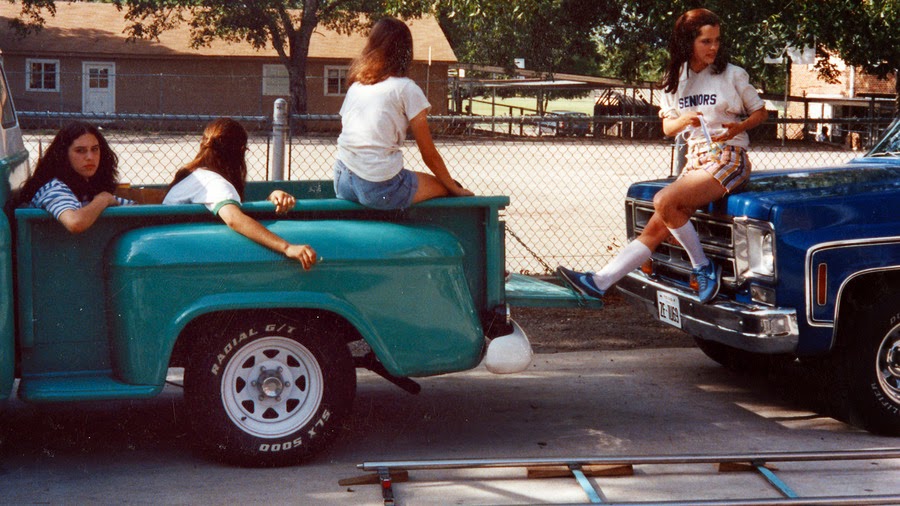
x=670 y=260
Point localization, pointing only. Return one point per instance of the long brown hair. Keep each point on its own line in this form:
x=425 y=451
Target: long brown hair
x=221 y=151
x=388 y=53
x=54 y=163
x=681 y=45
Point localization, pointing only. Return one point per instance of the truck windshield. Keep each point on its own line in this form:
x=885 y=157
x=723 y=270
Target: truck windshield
x=889 y=145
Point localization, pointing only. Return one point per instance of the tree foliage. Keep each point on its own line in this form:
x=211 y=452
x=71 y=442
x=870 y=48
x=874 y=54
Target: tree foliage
x=620 y=38
x=552 y=36
x=861 y=32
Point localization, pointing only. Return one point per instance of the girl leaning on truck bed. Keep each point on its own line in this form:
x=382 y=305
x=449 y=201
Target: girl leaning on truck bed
x=380 y=105
x=705 y=98
x=75 y=179
x=216 y=178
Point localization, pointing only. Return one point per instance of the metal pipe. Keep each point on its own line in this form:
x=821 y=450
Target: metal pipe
x=887 y=453
x=279 y=129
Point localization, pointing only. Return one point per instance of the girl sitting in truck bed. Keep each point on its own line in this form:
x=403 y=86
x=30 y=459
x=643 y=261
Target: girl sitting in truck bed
x=75 y=179
x=216 y=178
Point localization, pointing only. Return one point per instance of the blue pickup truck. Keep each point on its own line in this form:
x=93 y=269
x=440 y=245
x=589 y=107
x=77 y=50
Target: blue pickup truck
x=269 y=352
x=811 y=272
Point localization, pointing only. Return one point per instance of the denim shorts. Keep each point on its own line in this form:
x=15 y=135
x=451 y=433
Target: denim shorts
x=395 y=193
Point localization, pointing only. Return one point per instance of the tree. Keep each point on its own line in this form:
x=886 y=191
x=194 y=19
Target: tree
x=287 y=25
x=862 y=33
x=551 y=35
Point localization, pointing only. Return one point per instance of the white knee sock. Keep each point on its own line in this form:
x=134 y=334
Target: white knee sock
x=630 y=258
x=688 y=238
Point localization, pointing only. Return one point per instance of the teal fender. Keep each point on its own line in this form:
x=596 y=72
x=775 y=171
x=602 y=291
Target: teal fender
x=7 y=328
x=402 y=286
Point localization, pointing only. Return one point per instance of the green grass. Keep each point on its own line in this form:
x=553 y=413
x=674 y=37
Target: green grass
x=585 y=105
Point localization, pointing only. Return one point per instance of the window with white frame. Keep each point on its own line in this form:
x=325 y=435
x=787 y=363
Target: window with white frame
x=275 y=82
x=336 y=80
x=41 y=75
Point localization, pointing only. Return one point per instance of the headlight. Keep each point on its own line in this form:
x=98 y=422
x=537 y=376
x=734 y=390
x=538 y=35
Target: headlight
x=754 y=249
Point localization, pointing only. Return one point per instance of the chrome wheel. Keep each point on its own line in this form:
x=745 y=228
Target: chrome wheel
x=888 y=364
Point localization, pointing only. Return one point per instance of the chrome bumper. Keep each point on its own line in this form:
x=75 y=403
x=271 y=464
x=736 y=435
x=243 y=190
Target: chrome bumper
x=759 y=329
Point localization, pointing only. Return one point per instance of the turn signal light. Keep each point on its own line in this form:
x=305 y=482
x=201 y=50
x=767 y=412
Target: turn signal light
x=822 y=284
x=647 y=267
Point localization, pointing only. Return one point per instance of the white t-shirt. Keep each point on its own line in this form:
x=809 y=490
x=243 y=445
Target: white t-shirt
x=374 y=120
x=721 y=98
x=203 y=187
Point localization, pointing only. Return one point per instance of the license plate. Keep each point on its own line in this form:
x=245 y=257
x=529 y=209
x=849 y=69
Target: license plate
x=669 y=309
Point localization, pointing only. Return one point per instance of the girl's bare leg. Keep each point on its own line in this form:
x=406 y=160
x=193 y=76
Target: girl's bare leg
x=677 y=202
x=429 y=188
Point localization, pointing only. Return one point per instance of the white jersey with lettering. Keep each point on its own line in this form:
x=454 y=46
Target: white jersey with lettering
x=722 y=98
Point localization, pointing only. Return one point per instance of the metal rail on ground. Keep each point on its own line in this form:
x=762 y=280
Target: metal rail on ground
x=389 y=472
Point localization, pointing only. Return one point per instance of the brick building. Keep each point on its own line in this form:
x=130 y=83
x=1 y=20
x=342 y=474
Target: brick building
x=854 y=95
x=82 y=62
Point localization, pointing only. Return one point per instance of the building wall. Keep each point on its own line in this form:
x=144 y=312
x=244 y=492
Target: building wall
x=806 y=81
x=208 y=86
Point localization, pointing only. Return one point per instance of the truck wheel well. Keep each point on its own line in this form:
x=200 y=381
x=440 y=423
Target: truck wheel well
x=861 y=293
x=336 y=324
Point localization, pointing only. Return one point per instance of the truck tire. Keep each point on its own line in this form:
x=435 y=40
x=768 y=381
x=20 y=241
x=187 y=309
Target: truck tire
x=872 y=367
x=268 y=390
x=741 y=361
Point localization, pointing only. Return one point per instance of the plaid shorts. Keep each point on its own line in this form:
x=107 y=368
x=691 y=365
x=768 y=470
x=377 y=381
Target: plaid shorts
x=730 y=165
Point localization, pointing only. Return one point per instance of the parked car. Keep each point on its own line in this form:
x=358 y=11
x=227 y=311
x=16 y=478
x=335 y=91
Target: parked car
x=562 y=123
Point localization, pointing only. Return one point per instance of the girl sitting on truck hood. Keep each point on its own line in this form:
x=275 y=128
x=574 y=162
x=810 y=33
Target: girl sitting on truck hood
x=216 y=178
x=75 y=178
x=700 y=87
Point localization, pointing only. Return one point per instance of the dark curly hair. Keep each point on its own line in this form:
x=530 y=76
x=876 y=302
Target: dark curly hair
x=54 y=163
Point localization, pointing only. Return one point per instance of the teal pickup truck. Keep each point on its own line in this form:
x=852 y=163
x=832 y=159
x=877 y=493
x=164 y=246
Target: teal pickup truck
x=269 y=351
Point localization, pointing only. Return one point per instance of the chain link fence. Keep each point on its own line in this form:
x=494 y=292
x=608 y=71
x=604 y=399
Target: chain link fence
x=567 y=191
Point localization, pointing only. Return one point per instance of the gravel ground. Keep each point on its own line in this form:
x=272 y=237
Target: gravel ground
x=619 y=325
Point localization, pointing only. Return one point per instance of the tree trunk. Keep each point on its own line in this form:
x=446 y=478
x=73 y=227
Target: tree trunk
x=299 y=48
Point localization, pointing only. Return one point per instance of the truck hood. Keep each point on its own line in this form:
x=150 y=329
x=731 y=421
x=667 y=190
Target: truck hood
x=769 y=192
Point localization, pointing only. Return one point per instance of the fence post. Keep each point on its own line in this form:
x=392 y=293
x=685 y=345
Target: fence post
x=279 y=128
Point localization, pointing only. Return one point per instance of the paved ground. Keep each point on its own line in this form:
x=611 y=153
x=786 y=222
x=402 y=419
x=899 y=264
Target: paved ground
x=586 y=403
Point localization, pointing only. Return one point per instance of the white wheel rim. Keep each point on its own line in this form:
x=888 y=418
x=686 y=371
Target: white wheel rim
x=272 y=387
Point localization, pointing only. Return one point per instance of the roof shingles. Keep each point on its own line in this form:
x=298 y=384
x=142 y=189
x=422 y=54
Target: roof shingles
x=83 y=28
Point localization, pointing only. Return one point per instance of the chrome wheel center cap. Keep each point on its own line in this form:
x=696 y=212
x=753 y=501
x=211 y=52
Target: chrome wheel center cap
x=270 y=383
x=893 y=359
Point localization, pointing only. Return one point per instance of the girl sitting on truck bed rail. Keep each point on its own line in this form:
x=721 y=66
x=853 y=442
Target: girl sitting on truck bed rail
x=216 y=178
x=380 y=105
x=75 y=179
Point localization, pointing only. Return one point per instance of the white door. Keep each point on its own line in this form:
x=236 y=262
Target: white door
x=98 y=87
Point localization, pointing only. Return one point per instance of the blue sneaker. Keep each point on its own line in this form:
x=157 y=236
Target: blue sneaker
x=581 y=282
x=708 y=278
